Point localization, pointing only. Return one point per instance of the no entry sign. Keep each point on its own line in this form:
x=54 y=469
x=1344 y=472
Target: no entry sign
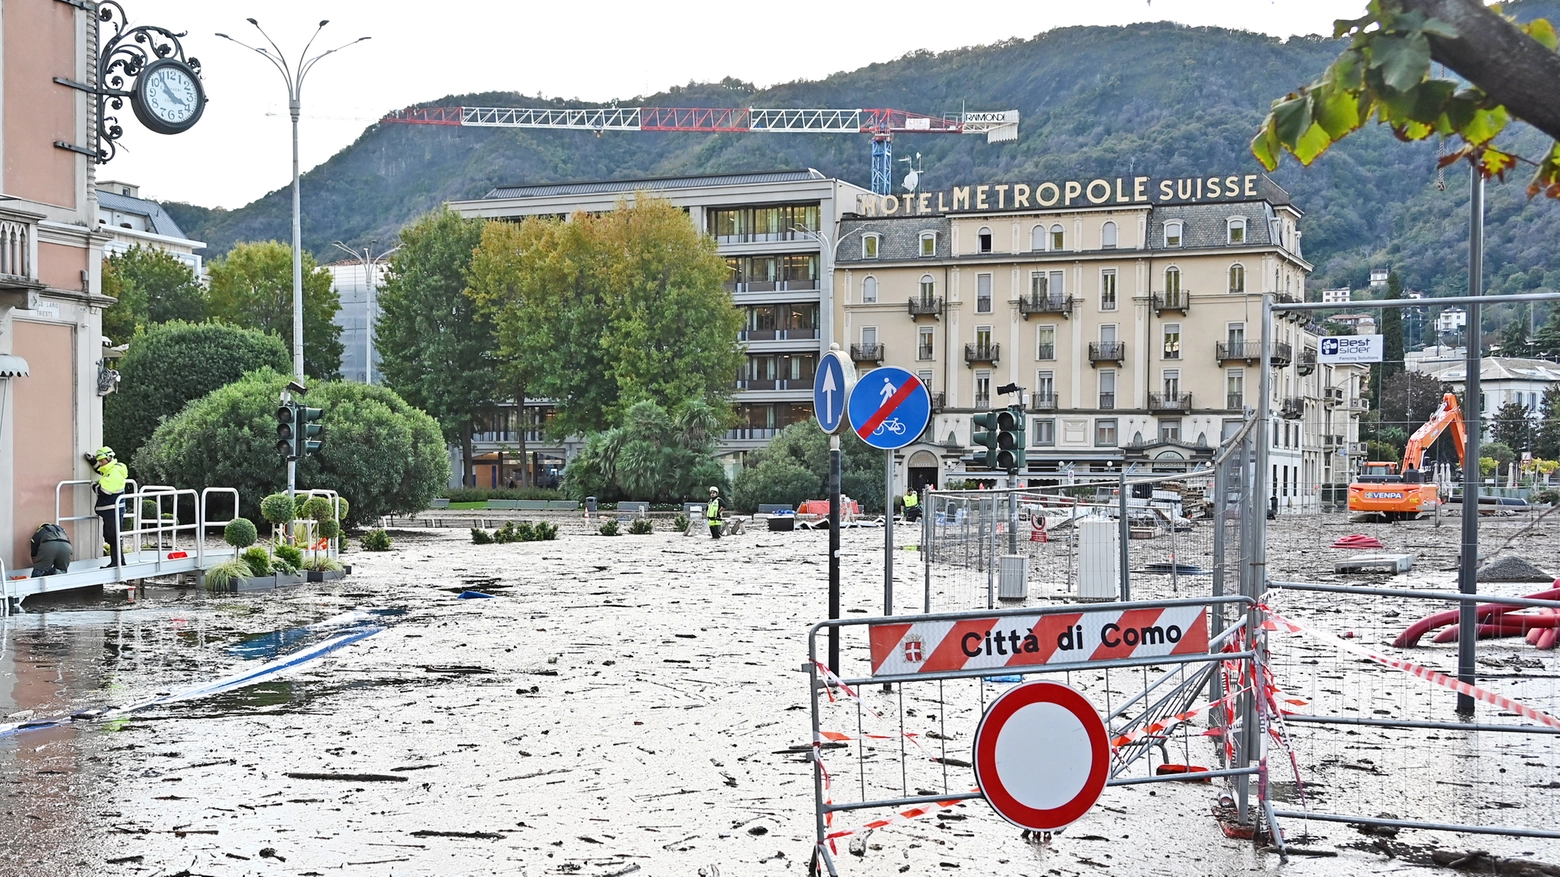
x=1041 y=755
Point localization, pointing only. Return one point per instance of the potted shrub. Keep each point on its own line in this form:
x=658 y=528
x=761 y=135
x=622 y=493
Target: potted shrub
x=224 y=576
x=241 y=534
x=325 y=569
x=279 y=509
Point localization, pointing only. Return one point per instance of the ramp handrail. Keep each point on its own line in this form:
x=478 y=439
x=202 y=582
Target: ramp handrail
x=203 y=515
x=161 y=528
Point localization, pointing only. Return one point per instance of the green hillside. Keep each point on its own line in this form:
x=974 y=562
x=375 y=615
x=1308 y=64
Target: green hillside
x=1157 y=99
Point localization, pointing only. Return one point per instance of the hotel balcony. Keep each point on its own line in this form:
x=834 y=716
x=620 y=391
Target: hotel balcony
x=926 y=307
x=1283 y=354
x=1307 y=362
x=1107 y=351
x=1042 y=402
x=1045 y=304
x=866 y=353
x=1292 y=408
x=988 y=353
x=1169 y=401
x=1230 y=351
x=1180 y=300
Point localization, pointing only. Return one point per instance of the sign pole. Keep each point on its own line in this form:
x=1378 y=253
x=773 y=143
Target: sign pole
x=834 y=552
x=1473 y=414
x=888 y=532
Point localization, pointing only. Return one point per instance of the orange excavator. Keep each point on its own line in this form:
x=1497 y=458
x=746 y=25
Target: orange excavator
x=1402 y=494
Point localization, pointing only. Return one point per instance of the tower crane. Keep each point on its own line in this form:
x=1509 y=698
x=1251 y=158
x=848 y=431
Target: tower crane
x=882 y=124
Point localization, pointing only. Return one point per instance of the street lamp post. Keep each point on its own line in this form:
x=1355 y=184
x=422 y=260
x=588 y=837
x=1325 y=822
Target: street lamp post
x=293 y=75
x=371 y=278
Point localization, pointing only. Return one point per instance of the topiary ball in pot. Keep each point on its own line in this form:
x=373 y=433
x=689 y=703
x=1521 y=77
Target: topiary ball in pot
x=328 y=529
x=278 y=508
x=343 y=507
x=317 y=507
x=240 y=533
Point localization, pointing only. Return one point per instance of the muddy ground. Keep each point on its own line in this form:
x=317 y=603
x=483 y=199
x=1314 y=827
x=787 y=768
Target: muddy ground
x=638 y=704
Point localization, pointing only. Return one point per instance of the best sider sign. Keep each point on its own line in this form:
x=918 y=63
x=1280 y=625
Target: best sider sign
x=1339 y=349
x=996 y=642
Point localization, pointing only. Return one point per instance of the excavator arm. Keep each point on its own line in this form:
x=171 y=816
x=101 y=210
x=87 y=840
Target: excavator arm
x=1448 y=415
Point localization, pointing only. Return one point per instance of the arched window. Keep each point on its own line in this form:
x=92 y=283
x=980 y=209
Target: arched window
x=1058 y=241
x=1237 y=278
x=1108 y=236
x=928 y=243
x=1037 y=239
x=869 y=291
x=983 y=240
x=928 y=288
x=1172 y=282
x=869 y=246
x=1173 y=234
x=1236 y=230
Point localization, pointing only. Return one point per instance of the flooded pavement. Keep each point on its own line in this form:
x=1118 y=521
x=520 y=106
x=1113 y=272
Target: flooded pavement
x=627 y=705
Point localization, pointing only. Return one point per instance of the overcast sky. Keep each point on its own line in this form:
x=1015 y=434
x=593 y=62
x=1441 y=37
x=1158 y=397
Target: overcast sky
x=422 y=51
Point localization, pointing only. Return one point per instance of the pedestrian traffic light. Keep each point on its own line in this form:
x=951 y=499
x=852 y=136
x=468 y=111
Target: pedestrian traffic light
x=286 y=427
x=985 y=435
x=1011 y=439
x=305 y=428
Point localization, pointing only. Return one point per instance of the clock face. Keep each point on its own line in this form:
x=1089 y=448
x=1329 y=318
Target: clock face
x=168 y=98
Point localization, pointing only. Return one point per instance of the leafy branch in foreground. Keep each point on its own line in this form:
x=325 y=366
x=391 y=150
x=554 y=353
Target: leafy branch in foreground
x=1512 y=71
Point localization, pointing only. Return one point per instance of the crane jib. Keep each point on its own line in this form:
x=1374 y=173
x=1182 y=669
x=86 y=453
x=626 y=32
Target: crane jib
x=1000 y=125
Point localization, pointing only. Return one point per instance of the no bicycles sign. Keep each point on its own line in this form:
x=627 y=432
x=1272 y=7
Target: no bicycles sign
x=889 y=408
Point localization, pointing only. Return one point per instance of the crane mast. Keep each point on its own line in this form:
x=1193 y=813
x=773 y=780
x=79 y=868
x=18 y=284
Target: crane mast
x=882 y=124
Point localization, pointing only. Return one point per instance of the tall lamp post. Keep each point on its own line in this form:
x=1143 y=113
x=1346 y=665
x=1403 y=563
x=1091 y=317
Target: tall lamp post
x=293 y=75
x=371 y=278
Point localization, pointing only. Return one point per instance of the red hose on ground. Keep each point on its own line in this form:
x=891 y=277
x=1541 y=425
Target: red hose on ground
x=1410 y=637
x=1507 y=625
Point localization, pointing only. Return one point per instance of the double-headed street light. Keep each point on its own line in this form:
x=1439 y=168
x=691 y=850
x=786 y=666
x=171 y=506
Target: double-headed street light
x=293 y=75
x=371 y=264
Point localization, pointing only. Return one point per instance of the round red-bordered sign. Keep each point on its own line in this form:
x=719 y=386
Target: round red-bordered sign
x=1042 y=755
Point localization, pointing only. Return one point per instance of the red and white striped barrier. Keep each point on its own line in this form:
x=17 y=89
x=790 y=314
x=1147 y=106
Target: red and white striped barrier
x=904 y=648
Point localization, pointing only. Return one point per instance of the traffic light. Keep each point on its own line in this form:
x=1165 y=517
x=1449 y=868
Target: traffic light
x=305 y=429
x=1011 y=439
x=286 y=425
x=987 y=421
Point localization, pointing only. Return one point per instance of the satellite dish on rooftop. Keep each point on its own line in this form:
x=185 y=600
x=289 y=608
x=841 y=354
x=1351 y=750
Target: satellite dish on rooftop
x=913 y=178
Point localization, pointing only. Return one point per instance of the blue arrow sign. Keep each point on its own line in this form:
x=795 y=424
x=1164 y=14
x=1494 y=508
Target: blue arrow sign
x=889 y=408
x=831 y=387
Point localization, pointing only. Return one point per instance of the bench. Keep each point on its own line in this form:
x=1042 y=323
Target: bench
x=769 y=508
x=562 y=505
x=504 y=504
x=633 y=510
x=531 y=505
x=440 y=503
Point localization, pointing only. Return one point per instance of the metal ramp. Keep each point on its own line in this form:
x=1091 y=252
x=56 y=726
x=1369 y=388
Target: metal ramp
x=153 y=540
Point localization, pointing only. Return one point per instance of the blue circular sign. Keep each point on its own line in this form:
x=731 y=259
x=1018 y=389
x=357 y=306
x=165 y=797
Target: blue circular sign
x=889 y=408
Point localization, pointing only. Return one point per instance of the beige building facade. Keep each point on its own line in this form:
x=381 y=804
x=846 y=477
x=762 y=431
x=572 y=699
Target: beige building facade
x=1131 y=321
x=51 y=351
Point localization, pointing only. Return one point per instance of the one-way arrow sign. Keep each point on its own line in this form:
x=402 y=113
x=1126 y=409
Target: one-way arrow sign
x=831 y=388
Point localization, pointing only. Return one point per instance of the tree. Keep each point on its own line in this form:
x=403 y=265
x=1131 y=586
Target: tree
x=171 y=365
x=1407 y=401
x=153 y=287
x=795 y=467
x=1512 y=70
x=653 y=456
x=609 y=310
x=381 y=454
x=252 y=286
x=1546 y=434
x=1513 y=427
x=436 y=346
x=1391 y=338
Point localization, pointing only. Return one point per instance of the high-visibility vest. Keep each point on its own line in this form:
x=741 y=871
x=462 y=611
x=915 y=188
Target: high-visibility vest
x=112 y=477
x=712 y=509
x=912 y=499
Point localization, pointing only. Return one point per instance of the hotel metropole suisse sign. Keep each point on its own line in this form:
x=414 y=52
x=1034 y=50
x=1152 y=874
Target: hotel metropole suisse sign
x=1100 y=192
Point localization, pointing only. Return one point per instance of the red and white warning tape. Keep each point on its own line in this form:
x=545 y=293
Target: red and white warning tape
x=1435 y=677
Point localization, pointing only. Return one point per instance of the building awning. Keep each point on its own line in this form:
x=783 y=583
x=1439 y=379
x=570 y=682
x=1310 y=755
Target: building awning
x=12 y=366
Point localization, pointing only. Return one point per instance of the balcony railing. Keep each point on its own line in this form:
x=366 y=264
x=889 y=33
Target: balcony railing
x=1332 y=396
x=751 y=432
x=924 y=353
x=1045 y=351
x=1107 y=401
x=982 y=402
x=866 y=353
x=1292 y=408
x=1283 y=354
x=18 y=263
x=1107 y=351
x=1169 y=401
x=1251 y=351
x=774 y=383
x=1045 y=304
x=1332 y=442
x=1179 y=300
x=1235 y=401
x=1043 y=402
x=1358 y=404
x=974 y=353
x=778 y=335
x=939 y=401
x=1307 y=363
x=771 y=285
x=926 y=307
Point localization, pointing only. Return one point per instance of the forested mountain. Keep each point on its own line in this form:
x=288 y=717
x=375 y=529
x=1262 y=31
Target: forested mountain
x=1158 y=99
